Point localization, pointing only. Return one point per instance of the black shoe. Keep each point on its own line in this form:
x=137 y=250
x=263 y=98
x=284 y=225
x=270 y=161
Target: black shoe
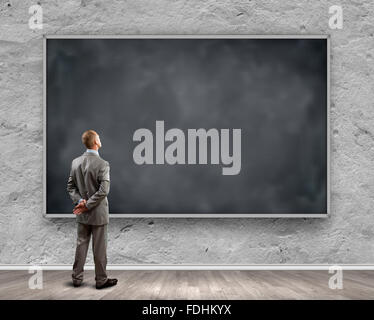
x=77 y=284
x=107 y=284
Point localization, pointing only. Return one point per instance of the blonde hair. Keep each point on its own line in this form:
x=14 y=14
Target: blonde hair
x=88 y=138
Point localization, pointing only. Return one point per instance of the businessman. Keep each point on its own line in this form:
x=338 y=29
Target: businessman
x=88 y=187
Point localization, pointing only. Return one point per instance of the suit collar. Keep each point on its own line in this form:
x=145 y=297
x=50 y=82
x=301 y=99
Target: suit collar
x=90 y=154
x=92 y=150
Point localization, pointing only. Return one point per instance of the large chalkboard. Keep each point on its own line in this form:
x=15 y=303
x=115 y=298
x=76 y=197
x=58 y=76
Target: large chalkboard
x=273 y=91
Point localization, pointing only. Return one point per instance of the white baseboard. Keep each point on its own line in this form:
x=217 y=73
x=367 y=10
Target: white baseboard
x=254 y=267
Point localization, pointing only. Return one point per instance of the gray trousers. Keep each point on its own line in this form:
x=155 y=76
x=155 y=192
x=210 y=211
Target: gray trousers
x=99 y=245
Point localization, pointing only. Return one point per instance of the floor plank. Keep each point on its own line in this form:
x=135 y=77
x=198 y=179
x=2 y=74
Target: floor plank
x=192 y=284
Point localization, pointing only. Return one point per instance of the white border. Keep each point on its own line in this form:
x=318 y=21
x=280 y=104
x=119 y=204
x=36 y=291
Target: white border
x=238 y=267
x=186 y=215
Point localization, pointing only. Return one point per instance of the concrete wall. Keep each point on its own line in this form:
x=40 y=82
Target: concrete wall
x=346 y=237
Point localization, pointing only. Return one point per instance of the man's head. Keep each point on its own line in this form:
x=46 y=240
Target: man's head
x=91 y=140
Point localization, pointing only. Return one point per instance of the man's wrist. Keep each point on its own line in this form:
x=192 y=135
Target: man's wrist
x=88 y=205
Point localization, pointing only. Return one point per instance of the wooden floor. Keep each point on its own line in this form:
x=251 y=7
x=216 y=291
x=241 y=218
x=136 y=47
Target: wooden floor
x=186 y=285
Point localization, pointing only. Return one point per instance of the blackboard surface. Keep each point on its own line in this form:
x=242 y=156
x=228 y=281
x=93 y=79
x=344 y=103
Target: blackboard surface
x=274 y=90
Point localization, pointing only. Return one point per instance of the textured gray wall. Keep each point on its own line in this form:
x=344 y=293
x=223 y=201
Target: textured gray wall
x=346 y=237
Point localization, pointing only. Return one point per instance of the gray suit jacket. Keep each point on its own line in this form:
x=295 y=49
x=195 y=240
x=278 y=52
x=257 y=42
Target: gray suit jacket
x=89 y=179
